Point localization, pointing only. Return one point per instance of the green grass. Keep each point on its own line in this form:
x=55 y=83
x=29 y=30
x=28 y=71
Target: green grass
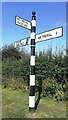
x=15 y=105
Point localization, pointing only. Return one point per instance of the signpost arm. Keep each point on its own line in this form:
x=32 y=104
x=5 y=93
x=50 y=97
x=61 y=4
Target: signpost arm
x=32 y=65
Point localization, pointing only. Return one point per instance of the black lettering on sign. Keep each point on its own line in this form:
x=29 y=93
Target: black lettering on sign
x=22 y=43
x=18 y=18
x=22 y=20
x=39 y=37
x=46 y=35
x=50 y=34
x=43 y=36
x=21 y=23
x=25 y=25
x=26 y=22
x=27 y=41
x=18 y=22
x=56 y=32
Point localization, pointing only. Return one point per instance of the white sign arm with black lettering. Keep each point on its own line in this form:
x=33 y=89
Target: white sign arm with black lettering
x=22 y=22
x=51 y=34
x=55 y=33
x=22 y=42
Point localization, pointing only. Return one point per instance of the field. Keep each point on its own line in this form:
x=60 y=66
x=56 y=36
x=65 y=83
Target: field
x=15 y=105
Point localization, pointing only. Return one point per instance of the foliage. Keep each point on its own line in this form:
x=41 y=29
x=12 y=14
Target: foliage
x=51 y=72
x=11 y=53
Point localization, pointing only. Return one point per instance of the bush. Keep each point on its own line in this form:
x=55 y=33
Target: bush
x=51 y=72
x=48 y=87
x=52 y=89
x=59 y=95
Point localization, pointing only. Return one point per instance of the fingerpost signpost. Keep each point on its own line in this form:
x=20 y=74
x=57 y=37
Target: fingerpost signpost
x=32 y=40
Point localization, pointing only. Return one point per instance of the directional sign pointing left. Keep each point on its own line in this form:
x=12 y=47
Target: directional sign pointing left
x=22 y=22
x=22 y=42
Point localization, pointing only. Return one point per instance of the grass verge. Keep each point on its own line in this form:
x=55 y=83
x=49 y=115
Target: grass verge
x=15 y=105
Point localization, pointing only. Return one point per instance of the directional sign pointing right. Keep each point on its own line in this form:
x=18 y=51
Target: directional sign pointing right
x=51 y=34
x=55 y=33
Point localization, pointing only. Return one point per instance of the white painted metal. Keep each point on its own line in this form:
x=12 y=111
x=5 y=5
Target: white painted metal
x=31 y=101
x=32 y=80
x=49 y=34
x=33 y=23
x=22 y=42
x=32 y=62
x=32 y=35
x=55 y=33
x=23 y=23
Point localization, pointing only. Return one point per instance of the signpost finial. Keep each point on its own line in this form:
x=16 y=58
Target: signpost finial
x=33 y=13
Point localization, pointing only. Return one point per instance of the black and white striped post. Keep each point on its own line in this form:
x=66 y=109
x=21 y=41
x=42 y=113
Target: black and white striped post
x=54 y=33
x=32 y=65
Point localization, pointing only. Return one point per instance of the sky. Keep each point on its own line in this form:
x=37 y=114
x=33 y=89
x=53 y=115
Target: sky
x=49 y=15
x=34 y=0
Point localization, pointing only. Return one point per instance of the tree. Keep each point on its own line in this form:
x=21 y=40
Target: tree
x=9 y=52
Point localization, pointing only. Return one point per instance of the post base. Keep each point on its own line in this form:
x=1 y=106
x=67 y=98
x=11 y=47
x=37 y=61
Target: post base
x=31 y=110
